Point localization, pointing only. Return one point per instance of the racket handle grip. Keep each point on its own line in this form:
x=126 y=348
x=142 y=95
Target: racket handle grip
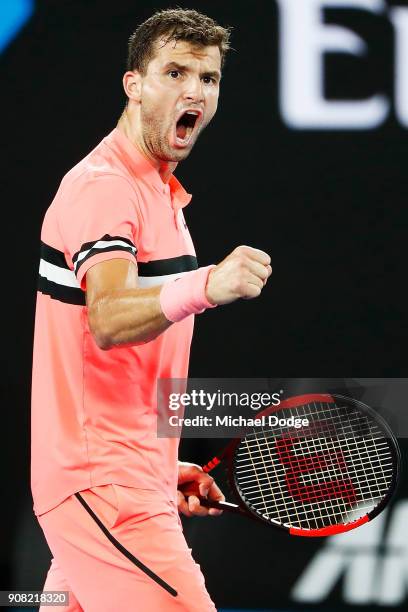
x=220 y=505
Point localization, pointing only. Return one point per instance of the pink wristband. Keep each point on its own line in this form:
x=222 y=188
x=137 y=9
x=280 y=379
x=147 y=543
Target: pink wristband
x=186 y=295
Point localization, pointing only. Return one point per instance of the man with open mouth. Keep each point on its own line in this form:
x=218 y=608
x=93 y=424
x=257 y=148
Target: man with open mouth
x=119 y=286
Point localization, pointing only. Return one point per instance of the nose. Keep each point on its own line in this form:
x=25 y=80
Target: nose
x=194 y=90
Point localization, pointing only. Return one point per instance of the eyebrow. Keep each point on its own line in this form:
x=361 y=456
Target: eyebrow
x=207 y=73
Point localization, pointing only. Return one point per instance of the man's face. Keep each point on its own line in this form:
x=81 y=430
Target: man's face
x=179 y=97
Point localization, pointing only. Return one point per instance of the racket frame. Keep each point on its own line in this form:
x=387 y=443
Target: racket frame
x=242 y=507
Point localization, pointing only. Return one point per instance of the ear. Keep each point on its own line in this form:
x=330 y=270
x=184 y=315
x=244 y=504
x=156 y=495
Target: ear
x=132 y=84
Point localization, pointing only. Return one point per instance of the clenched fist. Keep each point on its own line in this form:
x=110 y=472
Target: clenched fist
x=243 y=274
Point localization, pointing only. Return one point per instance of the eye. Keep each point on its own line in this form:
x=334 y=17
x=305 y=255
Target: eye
x=209 y=80
x=174 y=74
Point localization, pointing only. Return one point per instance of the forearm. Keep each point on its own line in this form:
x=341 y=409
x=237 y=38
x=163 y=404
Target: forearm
x=127 y=317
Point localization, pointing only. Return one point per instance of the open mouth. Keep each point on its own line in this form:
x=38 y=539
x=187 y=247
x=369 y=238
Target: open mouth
x=185 y=126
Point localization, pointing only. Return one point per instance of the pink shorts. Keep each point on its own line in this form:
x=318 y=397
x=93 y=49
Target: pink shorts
x=119 y=548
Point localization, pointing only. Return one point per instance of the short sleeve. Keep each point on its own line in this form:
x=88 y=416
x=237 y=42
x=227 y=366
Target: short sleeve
x=99 y=221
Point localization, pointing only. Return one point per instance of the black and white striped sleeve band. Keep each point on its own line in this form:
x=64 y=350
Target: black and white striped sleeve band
x=102 y=245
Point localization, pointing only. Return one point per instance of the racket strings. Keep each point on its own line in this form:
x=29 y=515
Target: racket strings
x=381 y=462
x=331 y=473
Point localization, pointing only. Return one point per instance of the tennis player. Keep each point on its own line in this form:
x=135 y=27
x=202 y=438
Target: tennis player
x=118 y=289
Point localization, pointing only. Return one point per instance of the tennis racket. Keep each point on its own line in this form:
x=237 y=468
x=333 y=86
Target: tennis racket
x=333 y=475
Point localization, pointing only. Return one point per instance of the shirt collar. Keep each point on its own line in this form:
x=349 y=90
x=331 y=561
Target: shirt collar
x=141 y=167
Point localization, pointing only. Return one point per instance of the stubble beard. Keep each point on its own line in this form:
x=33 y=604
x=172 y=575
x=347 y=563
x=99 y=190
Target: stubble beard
x=156 y=137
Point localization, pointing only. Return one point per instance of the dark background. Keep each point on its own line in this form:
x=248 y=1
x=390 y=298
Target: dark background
x=329 y=207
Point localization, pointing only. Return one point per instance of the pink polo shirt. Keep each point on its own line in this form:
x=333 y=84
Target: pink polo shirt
x=94 y=411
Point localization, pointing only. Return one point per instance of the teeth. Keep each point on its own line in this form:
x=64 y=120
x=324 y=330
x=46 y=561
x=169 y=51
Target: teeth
x=192 y=113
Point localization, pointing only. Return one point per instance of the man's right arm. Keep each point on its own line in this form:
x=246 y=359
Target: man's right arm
x=120 y=313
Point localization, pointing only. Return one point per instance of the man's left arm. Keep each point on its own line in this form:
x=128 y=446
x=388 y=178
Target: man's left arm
x=193 y=483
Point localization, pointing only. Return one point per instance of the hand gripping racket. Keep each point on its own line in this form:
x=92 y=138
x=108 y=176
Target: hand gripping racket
x=336 y=474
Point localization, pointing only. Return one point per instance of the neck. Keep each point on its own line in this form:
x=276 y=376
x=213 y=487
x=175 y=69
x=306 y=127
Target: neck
x=133 y=133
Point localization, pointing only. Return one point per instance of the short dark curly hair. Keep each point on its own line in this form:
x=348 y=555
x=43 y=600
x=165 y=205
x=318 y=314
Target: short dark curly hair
x=175 y=24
